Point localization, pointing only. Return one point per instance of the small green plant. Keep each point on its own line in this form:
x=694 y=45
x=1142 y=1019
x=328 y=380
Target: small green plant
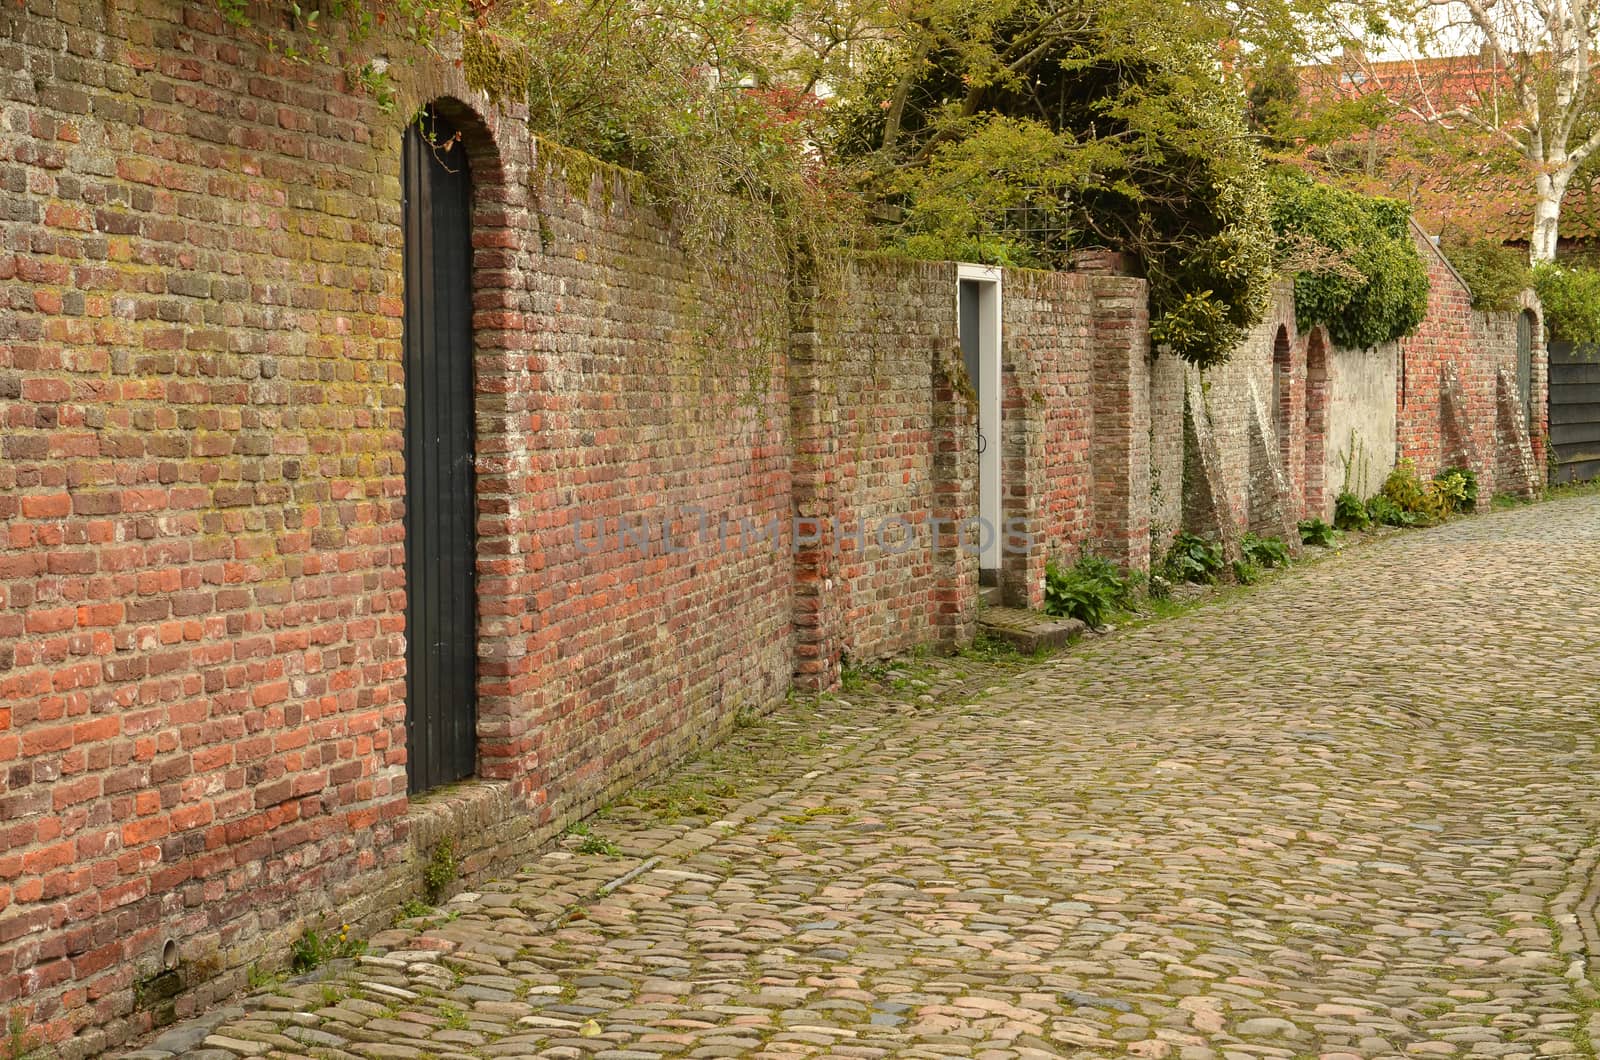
x=440 y=872
x=374 y=79
x=1089 y=590
x=413 y=907
x=1316 y=532
x=1460 y=484
x=1349 y=513
x=1266 y=552
x=454 y=1018
x=1193 y=559
x=1382 y=511
x=1245 y=572
x=316 y=948
x=593 y=844
x=20 y=1043
x=331 y=995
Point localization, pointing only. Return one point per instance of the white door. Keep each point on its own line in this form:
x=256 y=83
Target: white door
x=978 y=315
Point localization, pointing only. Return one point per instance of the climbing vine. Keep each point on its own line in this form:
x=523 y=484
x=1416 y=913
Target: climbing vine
x=676 y=91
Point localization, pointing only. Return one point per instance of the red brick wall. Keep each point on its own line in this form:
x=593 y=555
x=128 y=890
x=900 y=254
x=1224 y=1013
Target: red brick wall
x=202 y=582
x=1047 y=419
x=1475 y=346
x=885 y=357
x=199 y=592
x=1124 y=439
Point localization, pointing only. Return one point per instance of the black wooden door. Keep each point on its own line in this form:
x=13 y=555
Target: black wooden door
x=1525 y=364
x=441 y=512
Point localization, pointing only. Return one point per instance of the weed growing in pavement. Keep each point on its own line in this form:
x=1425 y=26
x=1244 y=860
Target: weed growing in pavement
x=1089 y=590
x=1193 y=559
x=1316 y=532
x=315 y=948
x=1265 y=552
x=440 y=872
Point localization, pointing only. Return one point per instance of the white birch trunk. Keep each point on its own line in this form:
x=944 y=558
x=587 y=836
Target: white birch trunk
x=1549 y=190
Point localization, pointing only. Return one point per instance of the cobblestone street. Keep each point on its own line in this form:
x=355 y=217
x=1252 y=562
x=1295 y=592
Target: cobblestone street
x=1351 y=812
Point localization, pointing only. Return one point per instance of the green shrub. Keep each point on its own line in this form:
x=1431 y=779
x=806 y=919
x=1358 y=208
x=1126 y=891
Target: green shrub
x=1356 y=267
x=1089 y=590
x=1571 y=298
x=1385 y=512
x=1495 y=273
x=1405 y=489
x=1350 y=513
x=1245 y=572
x=1193 y=559
x=1316 y=532
x=1267 y=552
x=1464 y=497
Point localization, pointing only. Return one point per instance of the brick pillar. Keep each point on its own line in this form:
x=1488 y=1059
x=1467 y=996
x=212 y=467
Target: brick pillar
x=1120 y=448
x=1022 y=475
x=814 y=425
x=955 y=498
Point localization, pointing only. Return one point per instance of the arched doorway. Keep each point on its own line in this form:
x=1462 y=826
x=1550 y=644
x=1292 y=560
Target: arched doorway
x=441 y=505
x=1283 y=396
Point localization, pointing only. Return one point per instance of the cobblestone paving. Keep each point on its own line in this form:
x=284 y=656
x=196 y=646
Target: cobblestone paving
x=1351 y=812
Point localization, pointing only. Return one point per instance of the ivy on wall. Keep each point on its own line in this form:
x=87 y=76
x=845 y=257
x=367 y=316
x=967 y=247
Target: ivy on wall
x=1356 y=267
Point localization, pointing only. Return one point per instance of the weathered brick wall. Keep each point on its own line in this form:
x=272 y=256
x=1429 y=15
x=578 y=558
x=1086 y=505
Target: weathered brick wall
x=1047 y=418
x=1268 y=368
x=1166 y=381
x=1474 y=346
x=199 y=585
x=202 y=582
x=887 y=340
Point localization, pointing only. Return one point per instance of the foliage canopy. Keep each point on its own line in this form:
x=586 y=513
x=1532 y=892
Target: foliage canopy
x=1571 y=298
x=1021 y=131
x=1357 y=268
x=1495 y=273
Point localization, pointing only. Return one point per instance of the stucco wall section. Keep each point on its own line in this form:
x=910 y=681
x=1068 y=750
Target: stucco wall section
x=1361 y=421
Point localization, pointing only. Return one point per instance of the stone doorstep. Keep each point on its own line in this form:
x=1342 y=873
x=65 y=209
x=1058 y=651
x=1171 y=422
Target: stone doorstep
x=1029 y=631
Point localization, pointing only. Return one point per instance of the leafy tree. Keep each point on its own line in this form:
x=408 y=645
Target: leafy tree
x=1514 y=73
x=1025 y=130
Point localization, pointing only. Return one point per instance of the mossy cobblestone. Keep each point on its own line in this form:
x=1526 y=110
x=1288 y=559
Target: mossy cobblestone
x=1349 y=813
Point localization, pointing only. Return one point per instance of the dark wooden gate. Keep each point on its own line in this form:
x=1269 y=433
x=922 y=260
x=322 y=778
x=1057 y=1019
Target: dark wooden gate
x=1575 y=411
x=1525 y=324
x=441 y=510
